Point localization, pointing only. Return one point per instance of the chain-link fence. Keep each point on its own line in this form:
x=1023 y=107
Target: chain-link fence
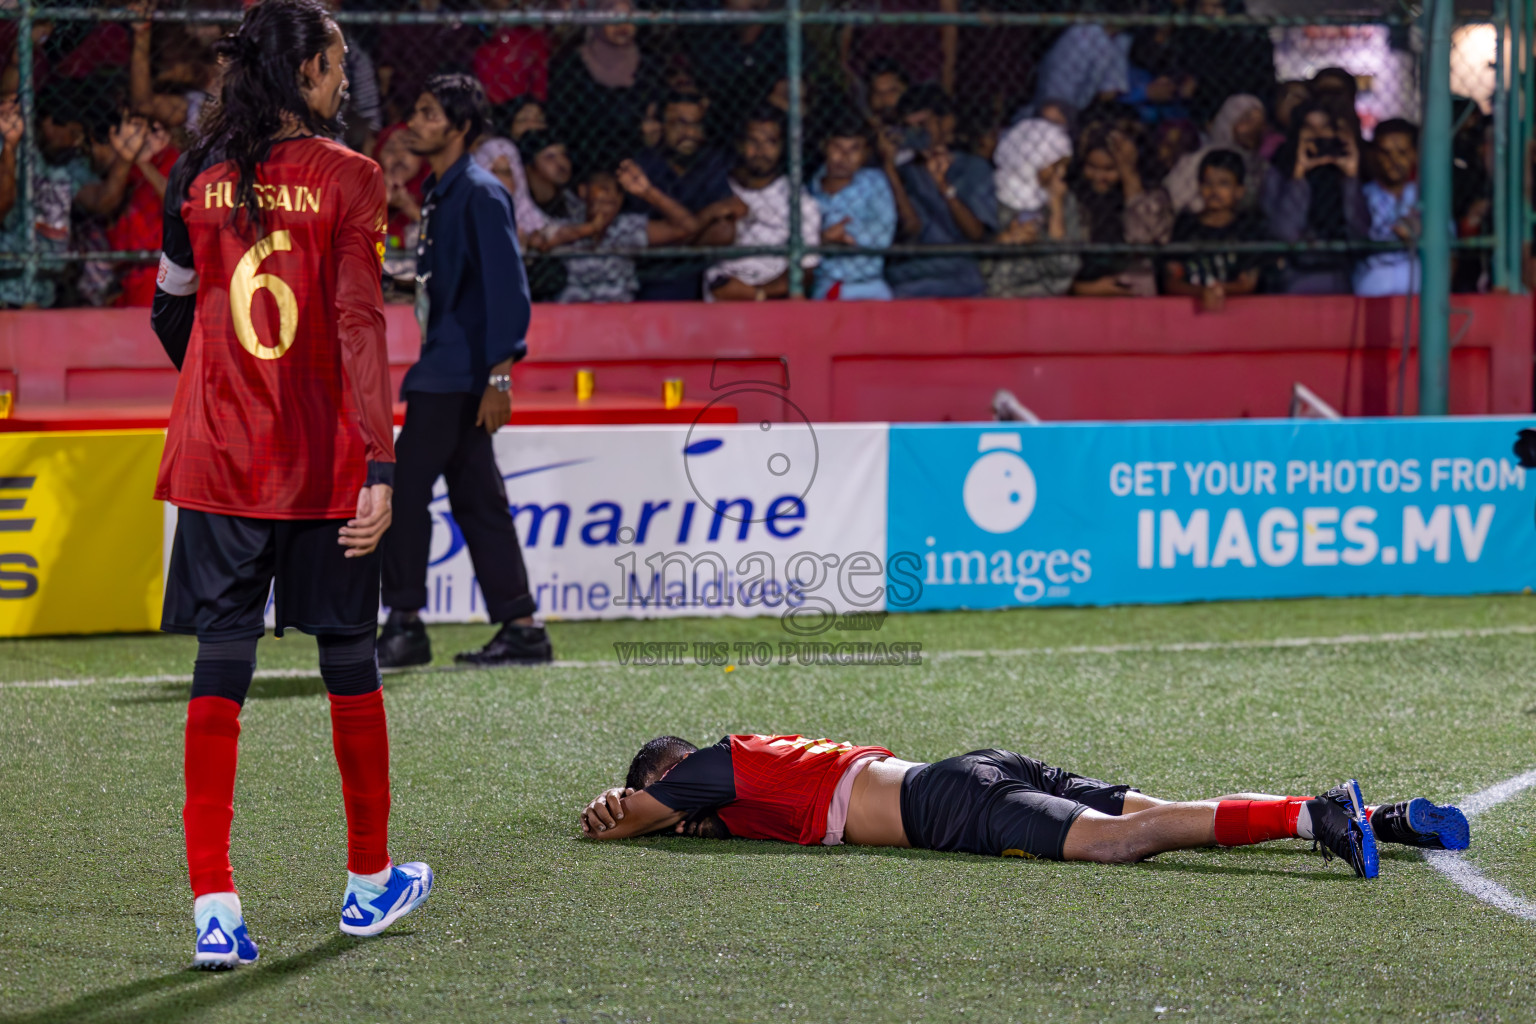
x=755 y=149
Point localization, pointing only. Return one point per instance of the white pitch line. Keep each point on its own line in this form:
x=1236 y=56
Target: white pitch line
x=265 y=673
x=1274 y=643
x=1491 y=797
x=1466 y=877
x=261 y=673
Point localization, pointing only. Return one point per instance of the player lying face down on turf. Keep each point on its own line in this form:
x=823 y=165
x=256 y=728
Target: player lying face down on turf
x=822 y=792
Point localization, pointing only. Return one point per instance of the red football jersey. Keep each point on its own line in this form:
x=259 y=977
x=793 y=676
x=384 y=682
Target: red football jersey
x=784 y=785
x=284 y=394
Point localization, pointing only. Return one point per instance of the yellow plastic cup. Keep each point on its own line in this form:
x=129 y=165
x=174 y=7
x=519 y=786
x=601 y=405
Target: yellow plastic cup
x=585 y=385
x=5 y=405
x=672 y=392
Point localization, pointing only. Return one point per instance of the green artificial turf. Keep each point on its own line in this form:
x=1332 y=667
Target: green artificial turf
x=530 y=922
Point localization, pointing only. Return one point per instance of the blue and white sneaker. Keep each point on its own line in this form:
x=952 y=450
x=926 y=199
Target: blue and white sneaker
x=222 y=940
x=368 y=909
x=1341 y=826
x=1418 y=822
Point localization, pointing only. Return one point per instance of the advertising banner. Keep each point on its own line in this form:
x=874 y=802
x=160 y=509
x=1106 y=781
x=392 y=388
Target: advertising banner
x=713 y=519
x=993 y=516
x=79 y=532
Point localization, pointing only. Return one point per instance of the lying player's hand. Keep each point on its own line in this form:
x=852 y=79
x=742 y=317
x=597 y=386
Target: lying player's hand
x=604 y=812
x=361 y=535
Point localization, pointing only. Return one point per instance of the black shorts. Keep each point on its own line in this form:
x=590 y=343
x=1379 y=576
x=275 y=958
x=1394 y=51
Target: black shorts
x=999 y=803
x=223 y=567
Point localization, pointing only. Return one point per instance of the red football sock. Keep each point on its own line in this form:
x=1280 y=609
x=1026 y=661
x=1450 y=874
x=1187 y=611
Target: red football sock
x=361 y=737
x=1242 y=822
x=212 y=747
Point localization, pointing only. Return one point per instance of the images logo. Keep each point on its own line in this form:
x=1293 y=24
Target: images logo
x=786 y=449
x=999 y=491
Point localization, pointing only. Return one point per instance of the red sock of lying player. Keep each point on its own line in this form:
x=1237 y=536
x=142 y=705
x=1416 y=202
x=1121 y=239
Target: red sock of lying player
x=212 y=748
x=361 y=738
x=1243 y=822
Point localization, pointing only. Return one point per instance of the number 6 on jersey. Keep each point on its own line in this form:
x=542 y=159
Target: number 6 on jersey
x=243 y=286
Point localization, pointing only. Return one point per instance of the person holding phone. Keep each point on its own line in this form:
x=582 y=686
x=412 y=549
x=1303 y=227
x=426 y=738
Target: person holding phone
x=944 y=196
x=1312 y=193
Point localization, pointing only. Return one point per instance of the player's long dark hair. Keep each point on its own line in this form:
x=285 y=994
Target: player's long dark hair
x=261 y=61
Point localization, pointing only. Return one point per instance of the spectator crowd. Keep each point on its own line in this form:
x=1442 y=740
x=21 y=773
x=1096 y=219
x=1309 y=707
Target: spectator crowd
x=1004 y=151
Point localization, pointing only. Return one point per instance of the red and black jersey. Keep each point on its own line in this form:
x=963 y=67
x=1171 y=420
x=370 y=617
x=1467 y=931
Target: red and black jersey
x=283 y=407
x=763 y=787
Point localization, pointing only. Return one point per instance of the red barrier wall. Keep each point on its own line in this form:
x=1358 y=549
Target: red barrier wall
x=907 y=361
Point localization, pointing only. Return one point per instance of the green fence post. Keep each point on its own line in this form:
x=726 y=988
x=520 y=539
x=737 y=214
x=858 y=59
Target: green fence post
x=1435 y=198
x=28 y=153
x=793 y=47
x=1509 y=216
x=1501 y=124
x=1523 y=88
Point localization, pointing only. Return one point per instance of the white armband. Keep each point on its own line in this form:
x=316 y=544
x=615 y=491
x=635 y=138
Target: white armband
x=174 y=279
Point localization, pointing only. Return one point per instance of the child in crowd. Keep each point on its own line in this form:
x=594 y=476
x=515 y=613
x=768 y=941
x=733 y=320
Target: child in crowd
x=1212 y=276
x=595 y=222
x=1392 y=197
x=857 y=209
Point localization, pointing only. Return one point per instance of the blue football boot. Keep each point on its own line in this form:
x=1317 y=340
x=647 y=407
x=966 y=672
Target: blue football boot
x=368 y=909
x=1418 y=822
x=222 y=940
x=1342 y=827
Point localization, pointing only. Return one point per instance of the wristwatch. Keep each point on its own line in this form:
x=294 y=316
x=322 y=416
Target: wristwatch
x=501 y=382
x=951 y=192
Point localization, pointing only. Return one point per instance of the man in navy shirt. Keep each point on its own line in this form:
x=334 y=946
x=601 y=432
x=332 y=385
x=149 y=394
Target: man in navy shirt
x=473 y=307
x=695 y=175
x=944 y=196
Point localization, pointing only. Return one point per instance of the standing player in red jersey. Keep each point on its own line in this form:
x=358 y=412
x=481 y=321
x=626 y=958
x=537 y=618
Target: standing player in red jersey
x=988 y=802
x=280 y=453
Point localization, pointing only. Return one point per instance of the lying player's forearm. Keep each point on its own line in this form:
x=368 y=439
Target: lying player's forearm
x=639 y=814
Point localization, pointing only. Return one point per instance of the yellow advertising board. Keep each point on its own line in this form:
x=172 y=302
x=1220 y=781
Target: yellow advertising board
x=81 y=536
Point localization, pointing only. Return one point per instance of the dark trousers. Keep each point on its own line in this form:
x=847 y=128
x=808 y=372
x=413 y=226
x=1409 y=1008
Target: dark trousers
x=440 y=439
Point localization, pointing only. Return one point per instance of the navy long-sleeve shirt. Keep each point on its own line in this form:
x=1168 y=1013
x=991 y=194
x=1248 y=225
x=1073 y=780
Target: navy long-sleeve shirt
x=468 y=263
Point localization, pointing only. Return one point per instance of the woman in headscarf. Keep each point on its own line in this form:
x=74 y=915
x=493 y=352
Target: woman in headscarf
x=1312 y=193
x=500 y=156
x=1238 y=126
x=598 y=93
x=1033 y=204
x=1117 y=208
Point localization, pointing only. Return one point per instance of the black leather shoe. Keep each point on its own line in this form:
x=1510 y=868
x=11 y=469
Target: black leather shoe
x=512 y=645
x=403 y=642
